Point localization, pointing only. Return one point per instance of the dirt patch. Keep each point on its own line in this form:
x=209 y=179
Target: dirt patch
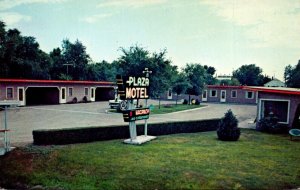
x=15 y=168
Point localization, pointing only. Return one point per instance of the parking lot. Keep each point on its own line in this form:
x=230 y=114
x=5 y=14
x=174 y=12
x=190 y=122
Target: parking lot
x=22 y=120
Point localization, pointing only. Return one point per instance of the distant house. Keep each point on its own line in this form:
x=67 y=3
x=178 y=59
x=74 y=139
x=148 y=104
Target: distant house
x=35 y=92
x=283 y=102
x=275 y=83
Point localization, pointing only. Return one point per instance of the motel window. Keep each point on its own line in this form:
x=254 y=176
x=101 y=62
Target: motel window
x=279 y=108
x=249 y=95
x=9 y=93
x=86 y=91
x=213 y=93
x=70 y=91
x=233 y=94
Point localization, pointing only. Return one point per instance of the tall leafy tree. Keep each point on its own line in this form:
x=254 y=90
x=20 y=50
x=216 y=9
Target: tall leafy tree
x=75 y=54
x=181 y=85
x=57 y=69
x=134 y=60
x=195 y=74
x=102 y=71
x=288 y=72
x=21 y=57
x=250 y=75
x=292 y=75
x=3 y=64
x=209 y=75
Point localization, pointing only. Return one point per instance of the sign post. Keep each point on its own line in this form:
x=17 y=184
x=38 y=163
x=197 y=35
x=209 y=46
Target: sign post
x=5 y=131
x=130 y=88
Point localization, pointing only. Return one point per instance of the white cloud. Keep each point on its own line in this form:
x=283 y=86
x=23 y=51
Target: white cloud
x=8 y=4
x=130 y=3
x=95 y=18
x=11 y=18
x=268 y=23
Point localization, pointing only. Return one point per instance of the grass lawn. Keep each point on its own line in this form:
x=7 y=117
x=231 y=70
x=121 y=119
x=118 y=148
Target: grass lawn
x=169 y=108
x=182 y=161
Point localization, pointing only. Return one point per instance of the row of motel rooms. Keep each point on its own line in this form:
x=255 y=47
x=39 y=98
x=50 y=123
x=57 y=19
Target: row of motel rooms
x=43 y=92
x=283 y=102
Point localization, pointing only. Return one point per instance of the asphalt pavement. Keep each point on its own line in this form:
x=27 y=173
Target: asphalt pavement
x=23 y=120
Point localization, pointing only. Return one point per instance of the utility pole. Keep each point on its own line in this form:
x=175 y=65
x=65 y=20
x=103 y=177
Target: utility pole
x=68 y=64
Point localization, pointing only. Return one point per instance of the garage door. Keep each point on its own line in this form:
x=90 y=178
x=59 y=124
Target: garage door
x=104 y=94
x=42 y=95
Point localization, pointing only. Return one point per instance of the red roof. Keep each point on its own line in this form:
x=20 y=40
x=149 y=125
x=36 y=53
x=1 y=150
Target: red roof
x=57 y=81
x=277 y=90
x=225 y=87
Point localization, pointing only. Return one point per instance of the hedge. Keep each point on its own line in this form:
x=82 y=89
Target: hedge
x=89 y=134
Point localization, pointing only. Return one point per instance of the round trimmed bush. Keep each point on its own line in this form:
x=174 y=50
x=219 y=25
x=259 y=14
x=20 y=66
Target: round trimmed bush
x=185 y=101
x=228 y=130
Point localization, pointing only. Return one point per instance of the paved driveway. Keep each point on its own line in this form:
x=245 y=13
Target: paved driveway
x=25 y=119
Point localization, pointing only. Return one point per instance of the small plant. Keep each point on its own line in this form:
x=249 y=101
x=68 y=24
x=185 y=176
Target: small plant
x=197 y=102
x=84 y=99
x=185 y=101
x=269 y=124
x=228 y=130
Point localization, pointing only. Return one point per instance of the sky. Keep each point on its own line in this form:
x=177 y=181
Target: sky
x=225 y=34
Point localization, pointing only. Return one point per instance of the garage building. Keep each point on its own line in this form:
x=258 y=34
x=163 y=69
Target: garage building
x=42 y=92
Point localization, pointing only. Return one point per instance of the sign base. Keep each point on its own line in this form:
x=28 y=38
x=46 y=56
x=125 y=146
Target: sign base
x=3 y=151
x=139 y=140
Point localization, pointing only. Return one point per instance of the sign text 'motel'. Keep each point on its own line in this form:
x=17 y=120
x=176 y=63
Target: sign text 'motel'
x=133 y=88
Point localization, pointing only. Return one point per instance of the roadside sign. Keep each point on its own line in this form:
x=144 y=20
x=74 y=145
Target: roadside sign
x=136 y=114
x=133 y=87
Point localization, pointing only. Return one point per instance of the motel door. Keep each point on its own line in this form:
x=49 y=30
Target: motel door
x=63 y=98
x=92 y=94
x=223 y=96
x=21 y=96
x=204 y=96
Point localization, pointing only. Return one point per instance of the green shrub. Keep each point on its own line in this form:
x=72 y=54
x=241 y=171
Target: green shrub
x=269 y=124
x=228 y=130
x=185 y=101
x=89 y=134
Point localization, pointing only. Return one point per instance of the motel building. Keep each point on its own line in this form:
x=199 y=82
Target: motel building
x=45 y=92
x=228 y=94
x=283 y=102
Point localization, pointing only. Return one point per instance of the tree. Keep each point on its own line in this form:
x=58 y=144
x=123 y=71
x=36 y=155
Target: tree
x=57 y=70
x=102 y=71
x=21 y=57
x=228 y=127
x=195 y=74
x=75 y=55
x=250 y=75
x=231 y=82
x=181 y=85
x=292 y=75
x=209 y=75
x=288 y=72
x=135 y=59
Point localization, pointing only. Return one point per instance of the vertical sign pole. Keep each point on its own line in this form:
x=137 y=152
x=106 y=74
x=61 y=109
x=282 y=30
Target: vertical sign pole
x=5 y=130
x=146 y=122
x=132 y=126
